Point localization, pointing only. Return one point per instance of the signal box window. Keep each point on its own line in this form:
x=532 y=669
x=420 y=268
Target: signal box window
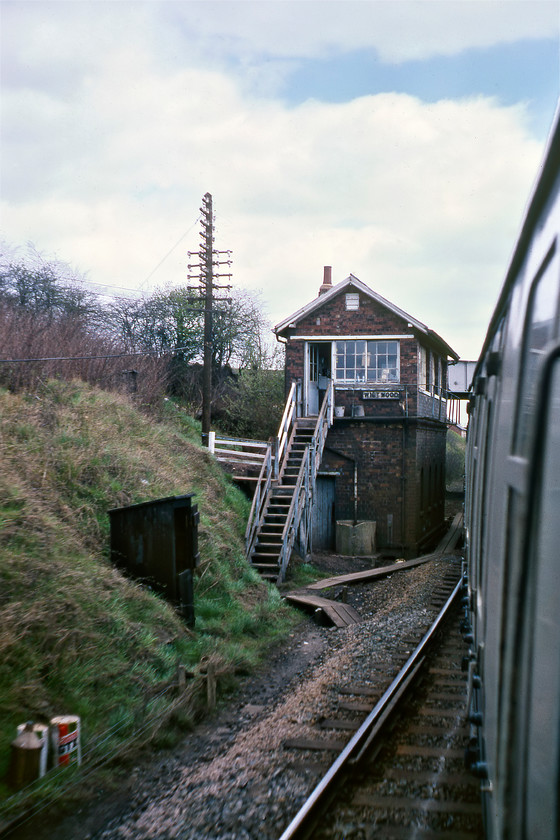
x=367 y=361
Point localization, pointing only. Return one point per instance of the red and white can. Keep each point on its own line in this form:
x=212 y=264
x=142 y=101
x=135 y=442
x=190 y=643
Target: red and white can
x=65 y=734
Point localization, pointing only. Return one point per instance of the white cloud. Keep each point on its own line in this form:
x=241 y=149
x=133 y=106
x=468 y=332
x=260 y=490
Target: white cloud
x=420 y=201
x=398 y=30
x=261 y=40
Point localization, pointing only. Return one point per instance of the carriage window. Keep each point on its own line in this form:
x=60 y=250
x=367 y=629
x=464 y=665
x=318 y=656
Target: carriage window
x=543 y=625
x=367 y=361
x=540 y=328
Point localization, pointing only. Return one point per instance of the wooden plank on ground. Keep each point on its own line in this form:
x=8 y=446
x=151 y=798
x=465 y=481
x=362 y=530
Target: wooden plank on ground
x=451 y=538
x=341 y=615
x=447 y=544
x=370 y=574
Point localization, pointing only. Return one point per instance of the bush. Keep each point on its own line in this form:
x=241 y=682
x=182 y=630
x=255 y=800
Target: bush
x=254 y=407
x=455 y=460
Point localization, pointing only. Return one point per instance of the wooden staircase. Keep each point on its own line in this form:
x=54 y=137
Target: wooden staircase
x=280 y=515
x=265 y=556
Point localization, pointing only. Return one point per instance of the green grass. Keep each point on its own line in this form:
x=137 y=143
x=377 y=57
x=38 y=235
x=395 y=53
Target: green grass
x=76 y=637
x=301 y=574
x=455 y=460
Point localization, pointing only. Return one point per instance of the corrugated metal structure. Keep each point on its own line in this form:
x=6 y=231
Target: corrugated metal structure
x=157 y=542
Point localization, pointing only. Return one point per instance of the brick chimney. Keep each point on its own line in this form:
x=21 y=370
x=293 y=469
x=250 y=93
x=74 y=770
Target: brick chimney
x=327 y=280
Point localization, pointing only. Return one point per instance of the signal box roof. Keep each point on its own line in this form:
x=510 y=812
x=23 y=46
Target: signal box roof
x=351 y=282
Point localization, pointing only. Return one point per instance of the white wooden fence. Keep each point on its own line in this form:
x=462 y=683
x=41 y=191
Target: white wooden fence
x=238 y=452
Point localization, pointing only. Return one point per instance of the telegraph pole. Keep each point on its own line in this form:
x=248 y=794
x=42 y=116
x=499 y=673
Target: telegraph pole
x=208 y=288
x=209 y=259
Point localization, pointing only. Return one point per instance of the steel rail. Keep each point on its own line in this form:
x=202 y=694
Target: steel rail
x=302 y=824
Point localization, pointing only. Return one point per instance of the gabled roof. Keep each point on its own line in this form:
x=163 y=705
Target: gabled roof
x=356 y=284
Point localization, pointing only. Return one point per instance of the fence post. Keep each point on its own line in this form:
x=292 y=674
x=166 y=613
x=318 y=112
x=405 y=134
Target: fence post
x=211 y=685
x=275 y=448
x=211 y=442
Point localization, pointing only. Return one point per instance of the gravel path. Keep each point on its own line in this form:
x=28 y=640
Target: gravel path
x=230 y=779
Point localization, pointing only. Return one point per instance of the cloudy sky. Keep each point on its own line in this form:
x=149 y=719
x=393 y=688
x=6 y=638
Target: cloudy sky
x=397 y=140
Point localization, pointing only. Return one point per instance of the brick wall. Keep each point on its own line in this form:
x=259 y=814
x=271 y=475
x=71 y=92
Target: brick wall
x=332 y=319
x=400 y=459
x=430 y=471
x=400 y=479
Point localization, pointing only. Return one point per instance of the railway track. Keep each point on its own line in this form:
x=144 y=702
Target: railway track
x=402 y=772
x=240 y=776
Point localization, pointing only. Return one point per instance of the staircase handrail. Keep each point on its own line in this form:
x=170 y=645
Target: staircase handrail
x=305 y=484
x=304 y=489
x=270 y=471
x=260 y=496
x=295 y=512
x=323 y=424
x=285 y=427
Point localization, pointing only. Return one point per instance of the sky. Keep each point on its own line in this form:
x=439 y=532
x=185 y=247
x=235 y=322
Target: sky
x=397 y=140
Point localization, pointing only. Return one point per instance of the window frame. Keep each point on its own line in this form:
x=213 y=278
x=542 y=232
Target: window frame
x=352 y=301
x=352 y=349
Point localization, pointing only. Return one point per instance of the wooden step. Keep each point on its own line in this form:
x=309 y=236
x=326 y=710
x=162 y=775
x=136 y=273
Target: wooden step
x=264 y=557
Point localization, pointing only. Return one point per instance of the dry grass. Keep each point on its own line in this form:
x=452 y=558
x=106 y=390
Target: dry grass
x=76 y=637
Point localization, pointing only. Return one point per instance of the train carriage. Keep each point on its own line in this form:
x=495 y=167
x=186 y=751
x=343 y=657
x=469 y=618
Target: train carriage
x=512 y=516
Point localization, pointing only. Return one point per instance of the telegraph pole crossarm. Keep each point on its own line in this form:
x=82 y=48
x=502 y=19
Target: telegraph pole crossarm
x=209 y=260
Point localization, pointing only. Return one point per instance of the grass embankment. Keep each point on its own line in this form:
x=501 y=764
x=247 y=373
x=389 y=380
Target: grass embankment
x=76 y=637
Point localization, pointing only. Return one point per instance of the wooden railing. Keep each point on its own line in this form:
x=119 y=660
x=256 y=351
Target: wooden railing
x=298 y=522
x=298 y=518
x=258 y=506
x=322 y=426
x=285 y=428
x=237 y=451
x=274 y=456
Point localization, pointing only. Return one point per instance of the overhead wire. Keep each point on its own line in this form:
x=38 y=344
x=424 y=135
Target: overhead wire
x=160 y=263
x=102 y=356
